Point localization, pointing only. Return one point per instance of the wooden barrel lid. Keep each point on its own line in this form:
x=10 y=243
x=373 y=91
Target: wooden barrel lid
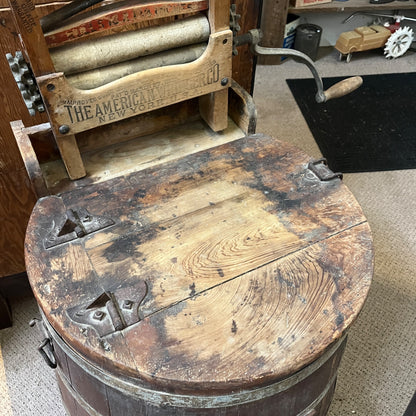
x=230 y=268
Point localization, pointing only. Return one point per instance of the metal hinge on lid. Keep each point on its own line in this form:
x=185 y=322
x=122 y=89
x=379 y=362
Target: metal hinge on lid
x=76 y=224
x=321 y=170
x=112 y=310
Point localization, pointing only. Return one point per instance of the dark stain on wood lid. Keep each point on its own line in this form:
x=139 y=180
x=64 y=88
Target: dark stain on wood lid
x=253 y=267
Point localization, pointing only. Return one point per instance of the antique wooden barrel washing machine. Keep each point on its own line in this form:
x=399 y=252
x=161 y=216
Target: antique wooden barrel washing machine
x=180 y=271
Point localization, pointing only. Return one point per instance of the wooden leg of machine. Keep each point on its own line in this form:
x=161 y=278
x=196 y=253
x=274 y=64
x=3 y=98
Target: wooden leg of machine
x=214 y=109
x=71 y=156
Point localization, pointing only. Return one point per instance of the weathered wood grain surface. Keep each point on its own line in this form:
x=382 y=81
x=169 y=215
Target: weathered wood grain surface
x=244 y=64
x=243 y=266
x=14 y=109
x=16 y=198
x=17 y=201
x=122 y=158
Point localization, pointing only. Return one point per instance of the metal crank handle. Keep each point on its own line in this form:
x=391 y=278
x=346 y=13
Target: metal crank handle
x=340 y=89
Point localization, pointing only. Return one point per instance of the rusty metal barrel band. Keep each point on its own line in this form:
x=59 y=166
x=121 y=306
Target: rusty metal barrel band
x=160 y=398
x=81 y=402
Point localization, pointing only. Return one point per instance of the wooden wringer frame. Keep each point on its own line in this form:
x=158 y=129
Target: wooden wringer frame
x=96 y=69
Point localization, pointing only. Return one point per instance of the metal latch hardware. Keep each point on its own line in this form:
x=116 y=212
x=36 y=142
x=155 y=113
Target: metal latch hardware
x=76 y=224
x=321 y=170
x=111 y=311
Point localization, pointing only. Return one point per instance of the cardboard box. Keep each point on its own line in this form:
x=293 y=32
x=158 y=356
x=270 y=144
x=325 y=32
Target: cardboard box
x=302 y=3
x=292 y=23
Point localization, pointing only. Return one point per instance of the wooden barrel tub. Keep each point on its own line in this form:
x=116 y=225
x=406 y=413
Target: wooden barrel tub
x=221 y=283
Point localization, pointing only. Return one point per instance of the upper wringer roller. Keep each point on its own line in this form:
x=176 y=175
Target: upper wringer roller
x=99 y=65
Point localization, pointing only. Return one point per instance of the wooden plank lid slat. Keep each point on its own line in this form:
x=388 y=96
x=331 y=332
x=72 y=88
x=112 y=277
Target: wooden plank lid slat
x=229 y=268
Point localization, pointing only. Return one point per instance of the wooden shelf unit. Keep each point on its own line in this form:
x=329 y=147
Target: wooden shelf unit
x=274 y=15
x=352 y=6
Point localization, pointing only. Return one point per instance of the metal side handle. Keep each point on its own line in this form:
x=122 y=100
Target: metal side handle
x=47 y=352
x=45 y=349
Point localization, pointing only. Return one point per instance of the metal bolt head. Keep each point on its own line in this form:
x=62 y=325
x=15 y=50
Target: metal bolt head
x=99 y=315
x=64 y=129
x=224 y=82
x=127 y=304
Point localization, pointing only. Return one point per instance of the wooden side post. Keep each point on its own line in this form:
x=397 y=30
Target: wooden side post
x=244 y=64
x=28 y=25
x=214 y=106
x=273 y=22
x=214 y=109
x=71 y=156
x=37 y=52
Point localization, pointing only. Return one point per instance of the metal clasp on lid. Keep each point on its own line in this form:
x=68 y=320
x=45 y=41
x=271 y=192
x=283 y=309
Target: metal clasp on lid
x=320 y=168
x=111 y=311
x=76 y=224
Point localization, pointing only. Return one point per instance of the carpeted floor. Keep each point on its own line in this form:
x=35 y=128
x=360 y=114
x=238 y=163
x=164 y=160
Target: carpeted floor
x=378 y=373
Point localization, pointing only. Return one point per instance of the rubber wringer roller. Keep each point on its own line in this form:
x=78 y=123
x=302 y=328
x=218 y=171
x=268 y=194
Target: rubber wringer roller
x=183 y=264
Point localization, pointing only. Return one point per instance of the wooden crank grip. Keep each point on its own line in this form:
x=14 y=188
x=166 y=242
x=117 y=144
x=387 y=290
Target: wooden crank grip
x=343 y=87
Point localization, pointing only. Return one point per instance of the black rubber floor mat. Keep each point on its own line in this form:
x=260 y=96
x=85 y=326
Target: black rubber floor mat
x=371 y=129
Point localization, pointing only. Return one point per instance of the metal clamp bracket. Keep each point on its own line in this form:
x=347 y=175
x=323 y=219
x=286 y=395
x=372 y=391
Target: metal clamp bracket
x=47 y=352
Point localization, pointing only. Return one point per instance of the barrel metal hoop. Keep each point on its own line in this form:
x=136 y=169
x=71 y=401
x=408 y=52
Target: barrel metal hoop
x=77 y=397
x=162 y=398
x=309 y=411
